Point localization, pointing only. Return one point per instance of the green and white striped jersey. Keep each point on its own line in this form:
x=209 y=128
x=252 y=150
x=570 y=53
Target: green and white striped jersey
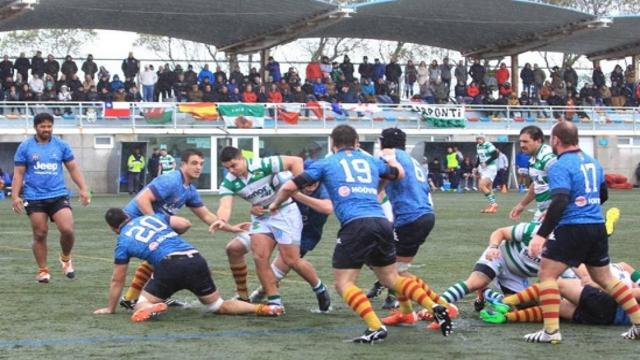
x=485 y=150
x=539 y=165
x=166 y=163
x=257 y=188
x=515 y=251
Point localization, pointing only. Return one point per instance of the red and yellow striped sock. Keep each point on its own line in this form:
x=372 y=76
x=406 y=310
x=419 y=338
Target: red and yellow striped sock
x=432 y=294
x=405 y=304
x=550 y=304
x=140 y=279
x=412 y=290
x=624 y=297
x=240 y=273
x=528 y=295
x=357 y=300
x=531 y=314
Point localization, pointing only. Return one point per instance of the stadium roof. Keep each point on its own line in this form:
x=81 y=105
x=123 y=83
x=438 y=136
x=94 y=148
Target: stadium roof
x=487 y=28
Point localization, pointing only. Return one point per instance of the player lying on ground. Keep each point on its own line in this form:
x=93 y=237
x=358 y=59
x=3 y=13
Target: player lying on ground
x=583 y=301
x=366 y=236
x=178 y=266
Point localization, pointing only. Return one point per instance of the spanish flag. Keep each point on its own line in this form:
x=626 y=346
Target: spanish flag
x=206 y=111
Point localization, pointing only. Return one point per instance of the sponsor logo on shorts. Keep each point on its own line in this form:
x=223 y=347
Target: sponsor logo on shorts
x=344 y=191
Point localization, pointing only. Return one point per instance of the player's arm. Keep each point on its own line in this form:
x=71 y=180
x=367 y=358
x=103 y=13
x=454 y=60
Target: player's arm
x=288 y=189
x=396 y=171
x=292 y=163
x=496 y=238
x=145 y=201
x=16 y=188
x=77 y=177
x=559 y=201
x=322 y=206
x=179 y=224
x=117 y=283
x=604 y=193
x=522 y=204
x=211 y=219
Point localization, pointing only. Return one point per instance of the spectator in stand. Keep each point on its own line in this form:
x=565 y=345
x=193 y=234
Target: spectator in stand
x=219 y=76
x=440 y=92
x=539 y=77
x=165 y=82
x=473 y=91
x=393 y=71
x=555 y=100
x=274 y=95
x=605 y=95
x=6 y=68
x=423 y=77
x=190 y=76
x=65 y=93
x=22 y=66
x=92 y=94
x=410 y=78
x=297 y=95
x=254 y=77
x=526 y=75
x=292 y=77
x=365 y=69
x=630 y=78
x=205 y=73
x=461 y=72
x=434 y=74
x=79 y=95
x=445 y=73
x=453 y=165
x=236 y=75
x=347 y=68
x=557 y=77
x=130 y=66
x=37 y=85
x=477 y=72
x=588 y=95
x=116 y=83
x=525 y=99
x=273 y=67
x=148 y=79
x=368 y=92
x=180 y=88
x=347 y=95
x=435 y=174
x=69 y=67
x=617 y=94
x=74 y=83
x=571 y=89
x=637 y=93
x=502 y=75
x=26 y=94
x=561 y=90
x=207 y=94
x=88 y=81
x=105 y=95
x=89 y=67
x=319 y=90
x=570 y=111
x=570 y=75
x=460 y=93
x=153 y=165
x=326 y=66
x=467 y=171
x=222 y=95
x=195 y=94
x=262 y=94
x=505 y=89
x=313 y=72
x=546 y=90
x=617 y=76
x=128 y=84
x=235 y=96
x=502 y=177
x=378 y=71
x=598 y=77
x=52 y=67
x=382 y=92
x=248 y=95
x=336 y=72
x=133 y=94
x=119 y=95
x=37 y=64
x=513 y=99
x=104 y=83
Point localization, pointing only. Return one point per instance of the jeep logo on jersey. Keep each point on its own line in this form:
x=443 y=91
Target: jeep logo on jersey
x=45 y=166
x=262 y=192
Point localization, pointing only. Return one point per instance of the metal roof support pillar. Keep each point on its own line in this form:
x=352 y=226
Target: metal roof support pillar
x=635 y=60
x=515 y=75
x=264 y=58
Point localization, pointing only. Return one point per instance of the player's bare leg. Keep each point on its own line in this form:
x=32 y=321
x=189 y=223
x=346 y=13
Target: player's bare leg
x=40 y=228
x=215 y=304
x=290 y=255
x=486 y=187
x=64 y=221
x=261 y=246
x=148 y=306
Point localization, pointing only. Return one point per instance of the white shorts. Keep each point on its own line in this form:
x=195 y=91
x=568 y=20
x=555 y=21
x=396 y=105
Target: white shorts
x=488 y=172
x=245 y=239
x=504 y=277
x=523 y=171
x=285 y=226
x=541 y=209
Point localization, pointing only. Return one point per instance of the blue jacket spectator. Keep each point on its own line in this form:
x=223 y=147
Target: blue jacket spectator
x=206 y=73
x=116 y=83
x=319 y=90
x=274 y=70
x=522 y=160
x=378 y=70
x=367 y=89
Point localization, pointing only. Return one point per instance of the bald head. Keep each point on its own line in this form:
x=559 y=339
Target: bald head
x=566 y=132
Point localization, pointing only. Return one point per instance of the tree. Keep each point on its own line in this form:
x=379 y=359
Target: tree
x=59 y=42
x=176 y=50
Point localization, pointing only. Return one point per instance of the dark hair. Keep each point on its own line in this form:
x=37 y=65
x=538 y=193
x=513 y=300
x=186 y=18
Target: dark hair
x=344 y=135
x=393 y=138
x=189 y=153
x=115 y=217
x=566 y=132
x=229 y=153
x=534 y=132
x=42 y=117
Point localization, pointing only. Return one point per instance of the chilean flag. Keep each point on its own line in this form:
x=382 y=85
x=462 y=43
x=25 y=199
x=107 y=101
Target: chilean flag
x=116 y=109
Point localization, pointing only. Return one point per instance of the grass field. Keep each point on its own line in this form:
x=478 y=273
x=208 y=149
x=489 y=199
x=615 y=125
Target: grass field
x=55 y=320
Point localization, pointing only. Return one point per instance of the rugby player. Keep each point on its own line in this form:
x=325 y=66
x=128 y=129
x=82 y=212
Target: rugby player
x=487 y=170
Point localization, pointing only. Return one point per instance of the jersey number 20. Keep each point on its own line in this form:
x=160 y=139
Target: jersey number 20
x=148 y=227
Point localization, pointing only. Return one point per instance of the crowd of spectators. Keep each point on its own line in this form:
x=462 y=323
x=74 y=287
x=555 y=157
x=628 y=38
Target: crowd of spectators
x=40 y=79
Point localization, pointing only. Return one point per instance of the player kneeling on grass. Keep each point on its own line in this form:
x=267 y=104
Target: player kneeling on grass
x=178 y=266
x=583 y=301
